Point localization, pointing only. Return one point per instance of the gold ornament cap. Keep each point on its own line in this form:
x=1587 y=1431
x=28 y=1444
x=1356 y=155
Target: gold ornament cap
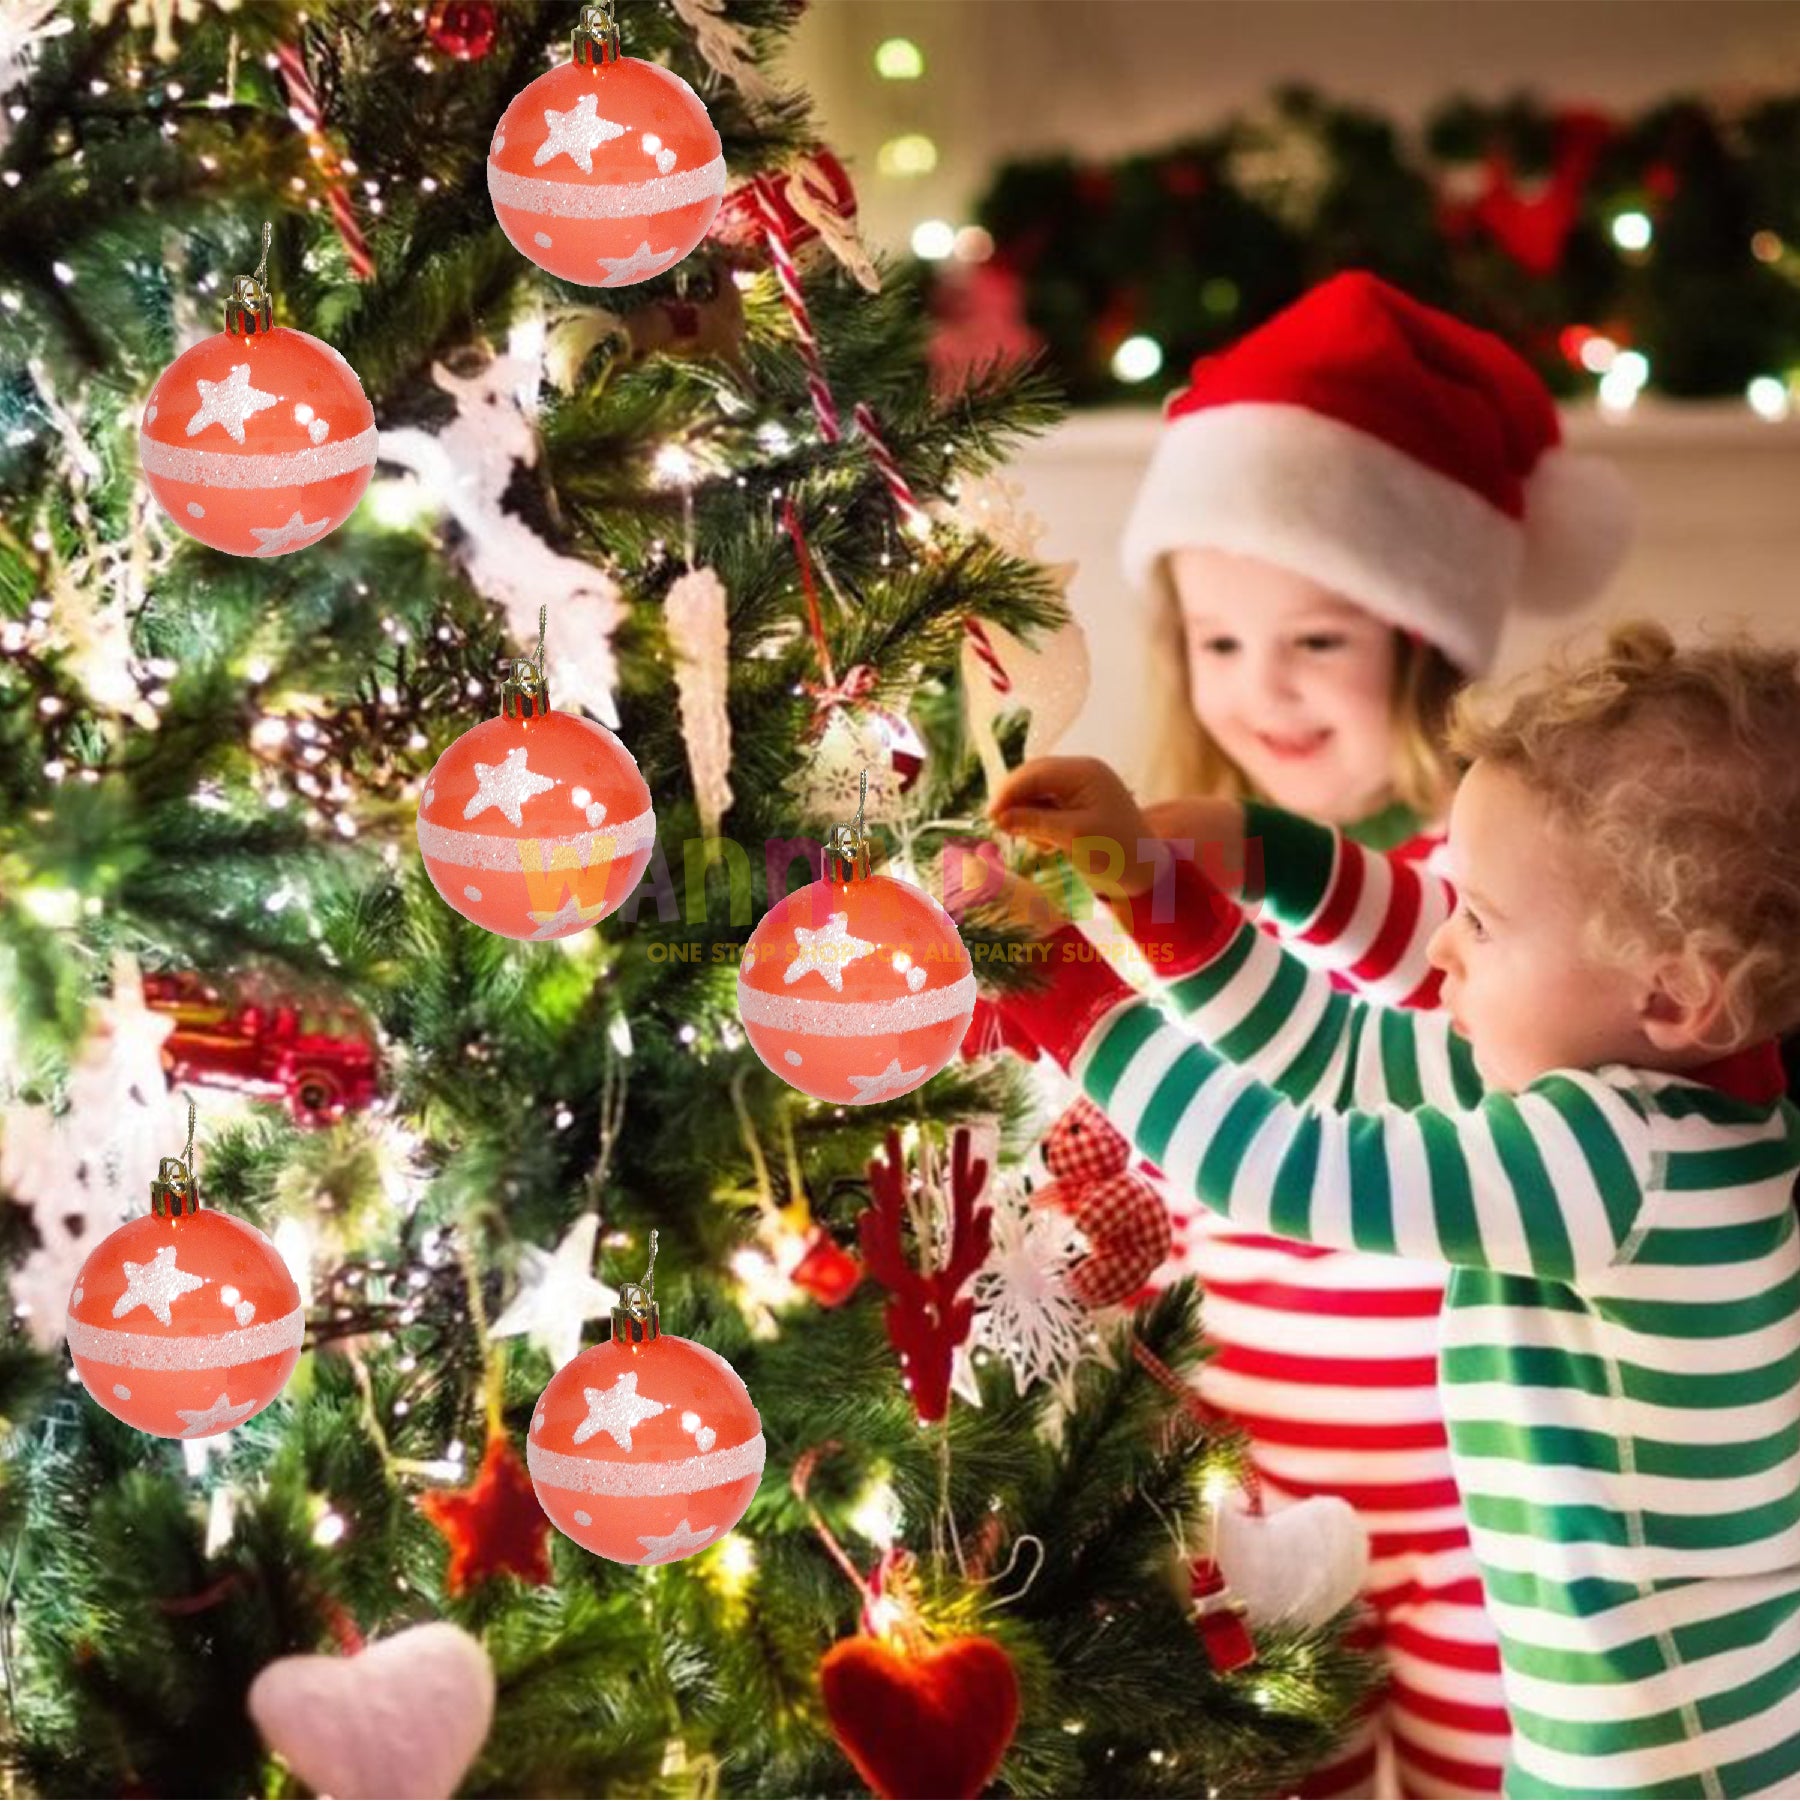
x=248 y=307
x=525 y=693
x=174 y=1192
x=596 y=38
x=637 y=1319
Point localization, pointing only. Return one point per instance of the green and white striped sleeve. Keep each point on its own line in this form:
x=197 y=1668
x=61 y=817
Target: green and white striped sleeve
x=1313 y=1116
x=1260 y=1006
x=1367 y=915
x=1546 y=1183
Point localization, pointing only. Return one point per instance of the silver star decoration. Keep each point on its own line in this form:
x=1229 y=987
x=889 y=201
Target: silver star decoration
x=578 y=133
x=274 y=540
x=616 y=1410
x=508 y=786
x=569 y=917
x=229 y=402
x=825 y=951
x=155 y=1285
x=219 y=1417
x=557 y=1294
x=642 y=263
x=892 y=1080
x=674 y=1544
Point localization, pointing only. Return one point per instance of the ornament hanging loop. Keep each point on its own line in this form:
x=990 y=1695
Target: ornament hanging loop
x=637 y=1319
x=597 y=36
x=174 y=1191
x=849 y=844
x=525 y=693
x=248 y=308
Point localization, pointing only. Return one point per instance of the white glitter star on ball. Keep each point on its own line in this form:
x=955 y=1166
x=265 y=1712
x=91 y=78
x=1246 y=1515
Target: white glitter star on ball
x=229 y=403
x=571 y=916
x=578 y=133
x=674 y=1544
x=557 y=1295
x=824 y=952
x=155 y=1285
x=892 y=1080
x=642 y=263
x=508 y=786
x=275 y=540
x=616 y=1410
x=203 y=1422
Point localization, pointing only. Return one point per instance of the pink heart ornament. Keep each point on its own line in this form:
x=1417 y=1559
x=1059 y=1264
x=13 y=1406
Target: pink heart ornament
x=404 y=1717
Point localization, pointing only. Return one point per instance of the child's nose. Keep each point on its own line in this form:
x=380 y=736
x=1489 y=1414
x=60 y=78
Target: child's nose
x=1437 y=948
x=1275 y=675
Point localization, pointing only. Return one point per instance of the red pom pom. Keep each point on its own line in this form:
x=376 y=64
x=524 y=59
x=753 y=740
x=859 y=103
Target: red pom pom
x=464 y=29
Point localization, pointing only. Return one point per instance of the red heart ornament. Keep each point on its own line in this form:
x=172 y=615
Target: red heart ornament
x=936 y=1724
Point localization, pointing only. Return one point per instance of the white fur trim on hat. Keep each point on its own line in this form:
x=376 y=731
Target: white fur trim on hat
x=1373 y=524
x=1579 y=518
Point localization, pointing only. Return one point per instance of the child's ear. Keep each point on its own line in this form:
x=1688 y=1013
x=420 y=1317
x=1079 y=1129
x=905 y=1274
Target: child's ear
x=1682 y=1007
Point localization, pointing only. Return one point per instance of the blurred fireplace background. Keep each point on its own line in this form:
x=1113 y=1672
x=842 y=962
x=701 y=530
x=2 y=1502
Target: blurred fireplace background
x=1614 y=183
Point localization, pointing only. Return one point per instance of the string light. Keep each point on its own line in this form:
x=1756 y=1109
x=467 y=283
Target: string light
x=1768 y=397
x=899 y=59
x=904 y=157
x=1137 y=359
x=1622 y=382
x=933 y=239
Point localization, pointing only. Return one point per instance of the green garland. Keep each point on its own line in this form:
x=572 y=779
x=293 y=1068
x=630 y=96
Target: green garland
x=1668 y=235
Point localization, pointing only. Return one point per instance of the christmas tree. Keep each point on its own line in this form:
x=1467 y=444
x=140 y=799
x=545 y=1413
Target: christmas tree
x=762 y=542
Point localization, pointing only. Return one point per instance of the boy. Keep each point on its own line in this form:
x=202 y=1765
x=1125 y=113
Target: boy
x=1593 y=1135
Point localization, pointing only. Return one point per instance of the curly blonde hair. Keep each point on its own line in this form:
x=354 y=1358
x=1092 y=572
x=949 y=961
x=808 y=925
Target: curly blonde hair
x=1184 y=757
x=1678 y=771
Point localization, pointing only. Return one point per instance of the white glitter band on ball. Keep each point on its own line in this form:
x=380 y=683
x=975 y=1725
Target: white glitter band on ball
x=216 y=1350
x=284 y=469
x=578 y=850
x=854 y=1019
x=683 y=1476
x=607 y=200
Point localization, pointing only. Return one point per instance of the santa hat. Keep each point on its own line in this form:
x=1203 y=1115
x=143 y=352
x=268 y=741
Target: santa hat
x=1410 y=462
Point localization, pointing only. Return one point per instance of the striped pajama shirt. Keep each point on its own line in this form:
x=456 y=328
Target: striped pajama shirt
x=1327 y=1359
x=1620 y=1341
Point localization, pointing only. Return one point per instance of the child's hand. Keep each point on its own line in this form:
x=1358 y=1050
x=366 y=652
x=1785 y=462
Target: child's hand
x=1060 y=800
x=1019 y=901
x=1215 y=827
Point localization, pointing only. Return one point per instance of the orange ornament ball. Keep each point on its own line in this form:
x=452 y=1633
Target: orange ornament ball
x=644 y=1452
x=185 y=1325
x=856 y=990
x=258 y=442
x=536 y=827
x=606 y=171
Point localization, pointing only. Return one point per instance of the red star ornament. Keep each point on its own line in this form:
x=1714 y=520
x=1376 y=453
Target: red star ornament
x=495 y=1526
